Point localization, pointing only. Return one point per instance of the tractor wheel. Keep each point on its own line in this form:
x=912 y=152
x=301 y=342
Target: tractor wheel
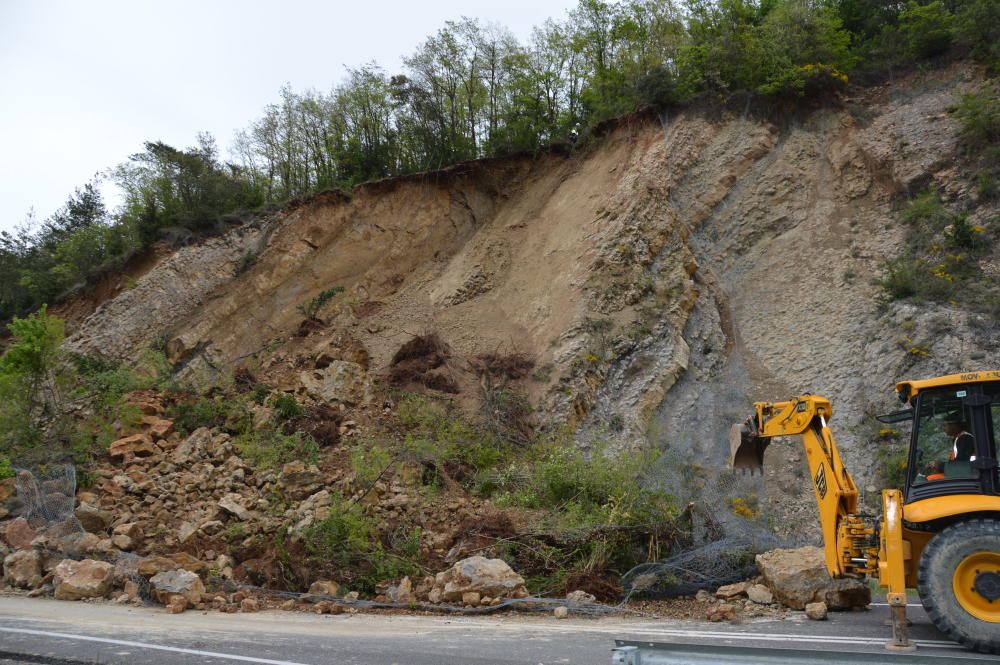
x=959 y=583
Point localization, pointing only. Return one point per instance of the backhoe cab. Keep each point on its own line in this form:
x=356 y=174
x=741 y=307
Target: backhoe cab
x=940 y=533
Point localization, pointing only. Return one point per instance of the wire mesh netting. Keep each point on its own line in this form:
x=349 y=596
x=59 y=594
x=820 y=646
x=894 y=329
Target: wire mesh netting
x=47 y=497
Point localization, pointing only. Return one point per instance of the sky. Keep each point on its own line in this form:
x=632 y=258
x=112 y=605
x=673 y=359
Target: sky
x=84 y=84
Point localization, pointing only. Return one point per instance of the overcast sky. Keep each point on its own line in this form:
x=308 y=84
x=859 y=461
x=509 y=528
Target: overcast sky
x=83 y=84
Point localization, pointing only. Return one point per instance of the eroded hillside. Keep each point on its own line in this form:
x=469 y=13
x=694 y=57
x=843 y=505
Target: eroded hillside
x=659 y=279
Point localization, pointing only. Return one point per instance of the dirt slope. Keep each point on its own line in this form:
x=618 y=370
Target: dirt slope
x=660 y=279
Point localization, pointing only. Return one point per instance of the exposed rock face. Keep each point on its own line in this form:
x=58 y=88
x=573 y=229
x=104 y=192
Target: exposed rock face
x=74 y=580
x=489 y=577
x=23 y=569
x=339 y=382
x=177 y=582
x=799 y=577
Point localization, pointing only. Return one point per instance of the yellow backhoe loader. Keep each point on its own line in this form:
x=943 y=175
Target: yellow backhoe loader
x=940 y=533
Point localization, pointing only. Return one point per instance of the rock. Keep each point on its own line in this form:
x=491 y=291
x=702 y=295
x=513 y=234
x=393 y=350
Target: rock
x=403 y=592
x=288 y=605
x=352 y=595
x=580 y=598
x=327 y=607
x=560 y=612
x=339 y=382
x=79 y=543
x=324 y=588
x=175 y=603
x=721 y=612
x=231 y=503
x=298 y=480
x=186 y=531
x=760 y=594
x=703 y=596
x=732 y=590
x=18 y=534
x=847 y=594
x=798 y=577
x=122 y=542
x=73 y=580
x=492 y=577
x=249 y=605
x=471 y=598
x=189 y=563
x=212 y=528
x=816 y=611
x=129 y=448
x=130 y=529
x=181 y=582
x=157 y=428
x=92 y=519
x=23 y=569
x=152 y=565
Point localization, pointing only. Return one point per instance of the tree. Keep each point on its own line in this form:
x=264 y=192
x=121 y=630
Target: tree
x=926 y=28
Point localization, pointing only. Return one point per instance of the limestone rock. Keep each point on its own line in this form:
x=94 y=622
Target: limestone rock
x=760 y=594
x=175 y=603
x=152 y=565
x=299 y=480
x=232 y=504
x=721 y=612
x=471 y=598
x=128 y=448
x=403 y=592
x=339 y=382
x=181 y=582
x=816 y=611
x=23 y=569
x=19 y=534
x=324 y=588
x=799 y=577
x=560 y=612
x=492 y=577
x=92 y=519
x=579 y=597
x=249 y=605
x=73 y=580
x=732 y=590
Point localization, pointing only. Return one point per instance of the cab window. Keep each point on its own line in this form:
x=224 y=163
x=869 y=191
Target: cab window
x=945 y=446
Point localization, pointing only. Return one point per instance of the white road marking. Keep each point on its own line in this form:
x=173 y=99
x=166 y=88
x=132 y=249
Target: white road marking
x=143 y=645
x=887 y=604
x=622 y=631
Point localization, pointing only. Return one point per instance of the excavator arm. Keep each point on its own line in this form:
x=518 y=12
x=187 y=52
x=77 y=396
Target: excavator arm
x=847 y=538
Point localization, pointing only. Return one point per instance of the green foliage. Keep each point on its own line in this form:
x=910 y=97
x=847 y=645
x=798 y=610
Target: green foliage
x=38 y=339
x=212 y=412
x=286 y=407
x=941 y=260
x=369 y=460
x=979 y=115
x=312 y=307
x=268 y=448
x=927 y=28
x=6 y=468
x=347 y=540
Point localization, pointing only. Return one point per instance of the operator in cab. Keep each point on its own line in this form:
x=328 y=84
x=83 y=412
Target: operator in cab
x=964 y=445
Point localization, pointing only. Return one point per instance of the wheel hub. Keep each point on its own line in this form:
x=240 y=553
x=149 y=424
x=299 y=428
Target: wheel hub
x=987 y=585
x=976 y=583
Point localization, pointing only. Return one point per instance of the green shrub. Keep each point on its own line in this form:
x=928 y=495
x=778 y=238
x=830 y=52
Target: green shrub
x=979 y=115
x=927 y=29
x=286 y=407
x=6 y=468
x=268 y=448
x=310 y=309
x=203 y=412
x=368 y=460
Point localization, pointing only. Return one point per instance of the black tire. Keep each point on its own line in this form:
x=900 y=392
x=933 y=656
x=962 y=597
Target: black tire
x=941 y=557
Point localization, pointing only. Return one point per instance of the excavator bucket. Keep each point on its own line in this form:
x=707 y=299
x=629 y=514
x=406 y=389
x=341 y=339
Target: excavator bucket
x=746 y=449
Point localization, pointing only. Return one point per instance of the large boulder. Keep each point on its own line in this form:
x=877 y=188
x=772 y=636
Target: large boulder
x=19 y=534
x=73 y=580
x=489 y=577
x=799 y=577
x=177 y=582
x=23 y=569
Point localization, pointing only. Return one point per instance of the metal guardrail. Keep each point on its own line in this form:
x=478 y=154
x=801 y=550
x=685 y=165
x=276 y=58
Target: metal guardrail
x=628 y=652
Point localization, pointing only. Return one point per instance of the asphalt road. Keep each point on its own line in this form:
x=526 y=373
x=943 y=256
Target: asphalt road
x=65 y=633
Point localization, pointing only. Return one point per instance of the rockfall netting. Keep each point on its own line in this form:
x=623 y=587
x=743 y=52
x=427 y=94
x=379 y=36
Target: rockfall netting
x=47 y=497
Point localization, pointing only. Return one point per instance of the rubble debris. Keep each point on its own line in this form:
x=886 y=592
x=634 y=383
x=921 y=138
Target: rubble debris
x=816 y=611
x=798 y=577
x=75 y=580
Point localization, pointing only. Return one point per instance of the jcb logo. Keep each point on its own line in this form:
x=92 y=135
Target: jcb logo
x=821 y=481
